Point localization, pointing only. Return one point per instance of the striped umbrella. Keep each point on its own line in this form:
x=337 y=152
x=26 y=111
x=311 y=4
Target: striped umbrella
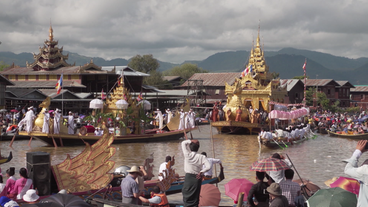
x=348 y=184
x=269 y=164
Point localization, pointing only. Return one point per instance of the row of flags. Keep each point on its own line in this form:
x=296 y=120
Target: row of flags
x=59 y=86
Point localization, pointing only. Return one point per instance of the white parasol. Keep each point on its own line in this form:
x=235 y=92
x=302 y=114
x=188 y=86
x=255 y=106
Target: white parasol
x=146 y=104
x=122 y=104
x=96 y=104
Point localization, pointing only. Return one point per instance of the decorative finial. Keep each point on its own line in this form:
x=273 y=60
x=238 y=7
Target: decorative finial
x=51 y=31
x=259 y=28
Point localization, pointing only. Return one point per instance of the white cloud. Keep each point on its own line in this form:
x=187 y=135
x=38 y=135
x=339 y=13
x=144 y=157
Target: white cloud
x=179 y=30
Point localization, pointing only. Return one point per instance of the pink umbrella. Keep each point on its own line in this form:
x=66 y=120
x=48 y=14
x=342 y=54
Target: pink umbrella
x=14 y=110
x=236 y=186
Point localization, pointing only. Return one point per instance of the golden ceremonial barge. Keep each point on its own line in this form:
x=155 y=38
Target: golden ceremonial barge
x=249 y=96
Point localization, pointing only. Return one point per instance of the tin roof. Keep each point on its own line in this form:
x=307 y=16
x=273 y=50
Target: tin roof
x=320 y=82
x=170 y=78
x=359 y=88
x=127 y=70
x=7 y=81
x=214 y=79
x=72 y=70
x=45 y=84
x=21 y=92
x=345 y=83
x=290 y=83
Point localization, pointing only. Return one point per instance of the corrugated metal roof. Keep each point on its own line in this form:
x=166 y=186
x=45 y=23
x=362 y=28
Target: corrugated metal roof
x=289 y=83
x=45 y=84
x=21 y=92
x=170 y=78
x=72 y=70
x=214 y=79
x=320 y=82
x=7 y=81
x=127 y=70
x=359 y=88
x=347 y=83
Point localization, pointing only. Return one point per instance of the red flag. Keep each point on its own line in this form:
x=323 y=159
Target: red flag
x=103 y=96
x=59 y=84
x=305 y=64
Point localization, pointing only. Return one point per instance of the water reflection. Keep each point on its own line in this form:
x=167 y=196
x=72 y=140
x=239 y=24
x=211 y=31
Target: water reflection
x=318 y=159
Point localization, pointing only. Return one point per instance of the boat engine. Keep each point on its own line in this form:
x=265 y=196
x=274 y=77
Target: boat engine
x=119 y=174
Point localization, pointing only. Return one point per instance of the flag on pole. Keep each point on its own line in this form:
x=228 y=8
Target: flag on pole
x=59 y=84
x=305 y=64
x=103 y=96
x=140 y=98
x=246 y=71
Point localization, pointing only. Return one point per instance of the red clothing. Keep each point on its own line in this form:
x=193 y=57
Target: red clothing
x=10 y=184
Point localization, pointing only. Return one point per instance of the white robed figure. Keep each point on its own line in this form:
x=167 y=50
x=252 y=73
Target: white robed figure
x=186 y=119
x=46 y=118
x=191 y=115
x=169 y=115
x=70 y=123
x=159 y=119
x=181 y=122
x=56 y=121
x=30 y=116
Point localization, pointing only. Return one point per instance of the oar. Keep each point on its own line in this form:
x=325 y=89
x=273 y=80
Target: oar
x=277 y=143
x=284 y=144
x=15 y=133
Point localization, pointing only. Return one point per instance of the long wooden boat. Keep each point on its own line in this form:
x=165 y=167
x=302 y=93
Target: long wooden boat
x=349 y=136
x=114 y=193
x=237 y=127
x=279 y=142
x=75 y=139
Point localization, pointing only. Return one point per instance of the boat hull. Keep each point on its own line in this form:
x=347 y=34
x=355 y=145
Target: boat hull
x=237 y=127
x=74 y=139
x=272 y=144
x=348 y=136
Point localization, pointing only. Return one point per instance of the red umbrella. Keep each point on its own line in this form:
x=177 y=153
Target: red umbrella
x=236 y=186
x=269 y=164
x=210 y=195
x=348 y=184
x=14 y=110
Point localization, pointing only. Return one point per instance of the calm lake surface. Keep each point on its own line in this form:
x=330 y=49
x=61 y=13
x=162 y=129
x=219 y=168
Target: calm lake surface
x=317 y=159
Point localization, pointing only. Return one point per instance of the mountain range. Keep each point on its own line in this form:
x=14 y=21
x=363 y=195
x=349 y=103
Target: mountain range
x=287 y=62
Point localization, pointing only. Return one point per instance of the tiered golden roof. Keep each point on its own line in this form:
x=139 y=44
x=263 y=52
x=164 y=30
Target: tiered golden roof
x=256 y=89
x=50 y=56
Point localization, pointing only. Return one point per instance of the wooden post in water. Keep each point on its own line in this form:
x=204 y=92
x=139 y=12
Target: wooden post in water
x=213 y=148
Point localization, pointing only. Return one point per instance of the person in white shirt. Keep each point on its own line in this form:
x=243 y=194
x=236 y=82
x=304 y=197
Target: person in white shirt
x=181 y=122
x=46 y=118
x=30 y=116
x=70 y=123
x=162 y=169
x=57 y=121
x=193 y=167
x=279 y=176
x=212 y=161
x=169 y=115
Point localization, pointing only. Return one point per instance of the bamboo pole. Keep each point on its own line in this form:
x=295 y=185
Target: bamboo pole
x=240 y=199
x=213 y=148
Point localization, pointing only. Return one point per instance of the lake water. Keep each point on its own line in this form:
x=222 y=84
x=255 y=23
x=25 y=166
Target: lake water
x=317 y=159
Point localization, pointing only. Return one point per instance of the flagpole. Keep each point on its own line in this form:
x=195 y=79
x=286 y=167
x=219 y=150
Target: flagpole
x=305 y=82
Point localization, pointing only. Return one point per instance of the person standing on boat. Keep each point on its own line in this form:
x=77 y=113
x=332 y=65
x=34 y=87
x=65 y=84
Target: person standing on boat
x=194 y=170
x=181 y=122
x=159 y=119
x=46 y=118
x=29 y=119
x=158 y=198
x=169 y=115
x=70 y=123
x=56 y=121
x=129 y=187
x=214 y=113
x=208 y=174
x=279 y=176
x=238 y=114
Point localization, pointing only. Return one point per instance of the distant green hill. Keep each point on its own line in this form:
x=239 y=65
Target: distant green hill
x=287 y=61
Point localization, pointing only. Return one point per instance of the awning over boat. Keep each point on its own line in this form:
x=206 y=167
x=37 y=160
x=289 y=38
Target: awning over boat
x=277 y=114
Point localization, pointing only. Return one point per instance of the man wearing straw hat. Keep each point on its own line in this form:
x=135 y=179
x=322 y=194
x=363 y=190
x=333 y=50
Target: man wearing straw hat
x=129 y=187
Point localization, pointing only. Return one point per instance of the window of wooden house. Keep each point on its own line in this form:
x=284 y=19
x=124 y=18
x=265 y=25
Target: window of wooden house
x=53 y=77
x=362 y=96
x=328 y=91
x=217 y=92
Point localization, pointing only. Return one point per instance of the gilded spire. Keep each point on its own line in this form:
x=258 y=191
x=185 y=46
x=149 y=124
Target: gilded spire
x=51 y=35
x=258 y=39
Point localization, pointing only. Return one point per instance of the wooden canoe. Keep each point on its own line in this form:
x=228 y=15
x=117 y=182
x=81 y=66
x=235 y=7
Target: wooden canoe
x=349 y=136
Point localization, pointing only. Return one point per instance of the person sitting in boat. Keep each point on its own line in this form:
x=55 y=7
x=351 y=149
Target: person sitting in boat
x=2 y=187
x=21 y=185
x=158 y=198
x=98 y=131
x=360 y=130
x=10 y=182
x=258 y=191
x=163 y=167
x=5 y=201
x=208 y=174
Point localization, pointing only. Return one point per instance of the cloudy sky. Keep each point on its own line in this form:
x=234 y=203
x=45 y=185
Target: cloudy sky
x=179 y=30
